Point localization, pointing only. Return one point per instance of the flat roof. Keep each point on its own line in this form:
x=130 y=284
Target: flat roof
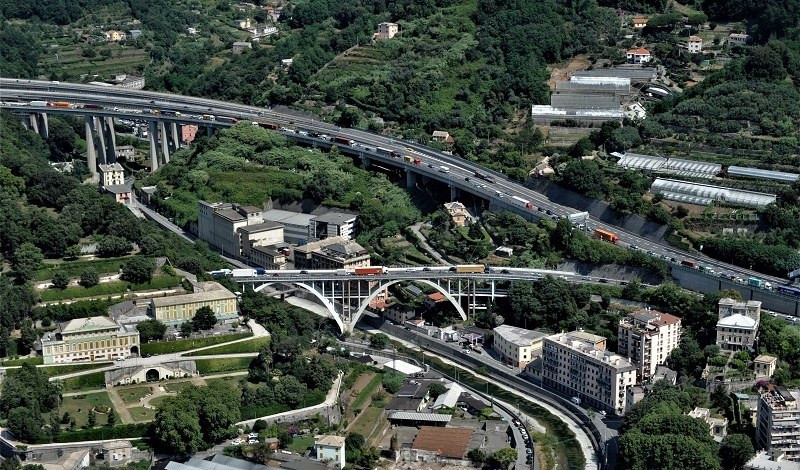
x=88 y=324
x=335 y=218
x=206 y=296
x=518 y=336
x=288 y=217
x=268 y=225
x=430 y=417
x=231 y=214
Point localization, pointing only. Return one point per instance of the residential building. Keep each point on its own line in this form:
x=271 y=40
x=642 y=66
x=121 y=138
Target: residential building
x=775 y=460
x=458 y=212
x=718 y=426
x=765 y=366
x=442 y=137
x=131 y=82
x=286 y=63
x=114 y=35
x=646 y=337
x=577 y=365
x=449 y=399
x=397 y=316
x=386 y=30
x=240 y=46
x=638 y=56
x=639 y=23
x=437 y=444
x=111 y=174
x=176 y=309
x=330 y=448
x=738 y=39
x=259 y=235
x=120 y=192
x=504 y=251
x=192 y=31
x=737 y=327
x=268 y=257
x=333 y=224
x=89 y=340
x=340 y=255
x=296 y=225
x=219 y=225
x=778 y=421
x=134 y=33
x=126 y=152
x=695 y=44
x=517 y=346
x=188 y=133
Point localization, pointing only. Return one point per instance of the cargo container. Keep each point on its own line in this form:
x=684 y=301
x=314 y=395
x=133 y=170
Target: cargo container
x=92 y=106
x=470 y=268
x=370 y=271
x=524 y=202
x=59 y=104
x=342 y=272
x=344 y=141
x=260 y=271
x=789 y=290
x=244 y=272
x=268 y=125
x=37 y=103
x=484 y=177
x=689 y=263
x=755 y=282
x=227 y=119
x=221 y=273
x=606 y=235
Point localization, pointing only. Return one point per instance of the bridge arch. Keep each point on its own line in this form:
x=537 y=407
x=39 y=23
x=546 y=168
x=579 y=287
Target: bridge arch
x=327 y=303
x=383 y=286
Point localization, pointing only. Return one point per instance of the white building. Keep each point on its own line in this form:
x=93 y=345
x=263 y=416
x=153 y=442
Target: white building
x=738 y=39
x=778 y=422
x=237 y=230
x=771 y=461
x=718 y=427
x=386 y=30
x=577 y=365
x=695 y=44
x=737 y=327
x=330 y=448
x=638 y=56
x=333 y=224
x=646 y=337
x=89 y=340
x=111 y=174
x=518 y=346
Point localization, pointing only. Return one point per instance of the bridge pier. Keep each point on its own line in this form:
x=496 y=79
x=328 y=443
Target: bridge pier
x=175 y=141
x=111 y=140
x=151 y=134
x=365 y=162
x=411 y=179
x=209 y=132
x=163 y=138
x=454 y=192
x=33 y=119
x=44 y=125
x=91 y=153
x=98 y=126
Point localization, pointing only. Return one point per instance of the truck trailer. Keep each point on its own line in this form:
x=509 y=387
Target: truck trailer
x=470 y=268
x=370 y=271
x=606 y=235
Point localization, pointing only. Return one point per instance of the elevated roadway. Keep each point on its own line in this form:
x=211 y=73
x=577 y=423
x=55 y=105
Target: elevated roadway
x=502 y=193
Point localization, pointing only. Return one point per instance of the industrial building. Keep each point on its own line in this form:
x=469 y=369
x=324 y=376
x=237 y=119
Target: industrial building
x=218 y=225
x=777 y=421
x=295 y=224
x=578 y=365
x=587 y=100
x=89 y=340
x=647 y=337
x=705 y=194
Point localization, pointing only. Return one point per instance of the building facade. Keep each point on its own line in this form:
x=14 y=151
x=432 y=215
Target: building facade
x=387 y=30
x=111 y=174
x=89 y=340
x=330 y=448
x=259 y=235
x=176 y=309
x=268 y=257
x=737 y=327
x=778 y=421
x=646 y=337
x=695 y=45
x=333 y=224
x=577 y=365
x=235 y=230
x=518 y=346
x=638 y=56
x=341 y=255
x=764 y=366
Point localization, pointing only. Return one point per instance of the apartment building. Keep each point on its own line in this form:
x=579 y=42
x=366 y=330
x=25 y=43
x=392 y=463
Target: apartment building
x=268 y=257
x=577 y=365
x=88 y=340
x=517 y=346
x=176 y=309
x=638 y=56
x=386 y=30
x=333 y=224
x=778 y=421
x=111 y=174
x=737 y=327
x=646 y=337
x=330 y=448
x=340 y=255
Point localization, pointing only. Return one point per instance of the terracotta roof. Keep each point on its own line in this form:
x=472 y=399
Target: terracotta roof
x=640 y=20
x=695 y=39
x=437 y=297
x=447 y=442
x=640 y=51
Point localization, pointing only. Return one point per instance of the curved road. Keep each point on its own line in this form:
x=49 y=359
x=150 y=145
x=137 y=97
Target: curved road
x=138 y=103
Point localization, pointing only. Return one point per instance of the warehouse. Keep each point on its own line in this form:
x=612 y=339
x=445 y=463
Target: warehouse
x=674 y=166
x=634 y=74
x=705 y=194
x=757 y=173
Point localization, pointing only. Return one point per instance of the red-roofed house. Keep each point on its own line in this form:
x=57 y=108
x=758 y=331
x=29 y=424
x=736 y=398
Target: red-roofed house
x=639 y=23
x=695 y=44
x=437 y=297
x=638 y=56
x=436 y=444
x=646 y=337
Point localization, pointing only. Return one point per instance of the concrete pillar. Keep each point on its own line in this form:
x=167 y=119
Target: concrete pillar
x=151 y=133
x=91 y=154
x=44 y=125
x=164 y=138
x=111 y=140
x=209 y=132
x=33 y=119
x=365 y=162
x=176 y=141
x=453 y=193
x=98 y=125
x=411 y=179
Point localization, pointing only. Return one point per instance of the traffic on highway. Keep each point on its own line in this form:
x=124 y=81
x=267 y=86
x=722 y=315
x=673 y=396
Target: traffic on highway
x=42 y=96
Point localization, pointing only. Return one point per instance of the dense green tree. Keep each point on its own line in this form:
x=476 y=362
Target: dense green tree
x=138 y=270
x=501 y=459
x=392 y=382
x=204 y=319
x=26 y=260
x=735 y=451
x=91 y=419
x=290 y=391
x=89 y=277
x=60 y=280
x=187 y=328
x=26 y=424
x=150 y=330
x=379 y=341
x=111 y=246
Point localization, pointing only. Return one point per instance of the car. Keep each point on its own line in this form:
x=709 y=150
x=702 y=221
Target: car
x=604 y=280
x=515 y=421
x=548 y=212
x=120 y=359
x=466 y=178
x=623 y=283
x=586 y=278
x=430 y=165
x=410 y=270
x=540 y=209
x=504 y=271
x=426 y=269
x=633 y=247
x=304 y=272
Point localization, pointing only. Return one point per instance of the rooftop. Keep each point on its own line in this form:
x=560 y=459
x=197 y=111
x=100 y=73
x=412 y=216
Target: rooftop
x=757 y=173
x=88 y=324
x=335 y=218
x=737 y=320
x=771 y=460
x=518 y=336
x=329 y=440
x=206 y=296
x=646 y=317
x=288 y=217
x=231 y=214
x=763 y=358
x=695 y=39
x=449 y=399
x=117 y=188
x=447 y=442
x=639 y=51
x=781 y=398
x=111 y=166
x=309 y=247
x=269 y=225
x=429 y=417
x=588 y=348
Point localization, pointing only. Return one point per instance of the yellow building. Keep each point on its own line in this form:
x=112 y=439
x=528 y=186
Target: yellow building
x=88 y=340
x=177 y=309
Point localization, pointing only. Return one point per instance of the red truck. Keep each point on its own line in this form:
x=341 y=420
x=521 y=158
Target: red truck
x=268 y=125
x=689 y=263
x=370 y=271
x=606 y=235
x=344 y=141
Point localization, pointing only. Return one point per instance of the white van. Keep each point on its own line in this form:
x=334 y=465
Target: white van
x=444 y=169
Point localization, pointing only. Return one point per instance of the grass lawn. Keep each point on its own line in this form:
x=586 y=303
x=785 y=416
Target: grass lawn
x=84 y=382
x=177 y=386
x=366 y=392
x=133 y=394
x=70 y=368
x=78 y=407
x=165 y=347
x=109 y=288
x=73 y=269
x=160 y=400
x=211 y=366
x=231 y=381
x=366 y=421
x=253 y=345
x=27 y=360
x=141 y=414
x=301 y=444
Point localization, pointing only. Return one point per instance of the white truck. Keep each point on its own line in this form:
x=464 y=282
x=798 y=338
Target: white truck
x=244 y=272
